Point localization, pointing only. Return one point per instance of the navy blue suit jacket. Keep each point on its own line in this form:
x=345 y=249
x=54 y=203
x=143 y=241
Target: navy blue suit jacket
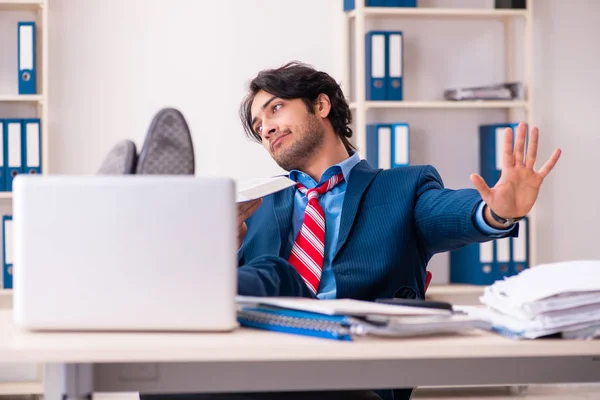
x=393 y=221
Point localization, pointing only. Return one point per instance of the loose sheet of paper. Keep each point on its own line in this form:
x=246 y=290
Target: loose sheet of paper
x=256 y=188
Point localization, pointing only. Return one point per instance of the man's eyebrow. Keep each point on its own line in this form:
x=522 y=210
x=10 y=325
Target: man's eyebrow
x=262 y=108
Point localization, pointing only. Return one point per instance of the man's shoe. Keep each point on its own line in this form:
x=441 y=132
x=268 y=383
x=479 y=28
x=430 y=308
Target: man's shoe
x=168 y=147
x=120 y=160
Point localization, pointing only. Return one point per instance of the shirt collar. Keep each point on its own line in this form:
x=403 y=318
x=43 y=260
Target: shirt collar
x=345 y=167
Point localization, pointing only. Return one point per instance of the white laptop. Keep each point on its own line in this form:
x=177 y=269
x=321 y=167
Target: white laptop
x=124 y=253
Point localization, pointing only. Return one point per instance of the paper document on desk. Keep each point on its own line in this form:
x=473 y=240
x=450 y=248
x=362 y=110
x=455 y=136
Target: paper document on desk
x=256 y=188
x=350 y=307
x=559 y=298
x=420 y=326
x=558 y=280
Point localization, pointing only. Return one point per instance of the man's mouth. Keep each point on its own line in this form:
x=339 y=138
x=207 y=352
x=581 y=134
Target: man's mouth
x=278 y=139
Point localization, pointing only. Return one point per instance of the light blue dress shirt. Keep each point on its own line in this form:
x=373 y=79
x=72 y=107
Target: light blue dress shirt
x=332 y=202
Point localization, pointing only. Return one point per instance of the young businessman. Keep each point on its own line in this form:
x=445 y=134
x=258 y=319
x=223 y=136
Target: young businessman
x=348 y=230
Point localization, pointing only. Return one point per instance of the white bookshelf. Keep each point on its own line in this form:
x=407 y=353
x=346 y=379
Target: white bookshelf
x=353 y=80
x=22 y=388
x=439 y=12
x=21 y=4
x=33 y=98
x=440 y=104
x=28 y=378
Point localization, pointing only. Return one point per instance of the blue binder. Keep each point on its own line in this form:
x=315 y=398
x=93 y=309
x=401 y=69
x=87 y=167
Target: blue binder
x=395 y=65
x=2 y=158
x=13 y=153
x=404 y=3
x=485 y=263
x=520 y=248
x=376 y=65
x=32 y=146
x=491 y=144
x=7 y=260
x=474 y=264
x=401 y=3
x=27 y=57
x=379 y=145
x=400 y=145
x=350 y=4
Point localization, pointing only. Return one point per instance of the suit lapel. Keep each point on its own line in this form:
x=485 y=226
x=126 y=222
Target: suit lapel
x=283 y=205
x=360 y=178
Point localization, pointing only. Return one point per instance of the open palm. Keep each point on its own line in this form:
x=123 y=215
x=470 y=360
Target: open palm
x=517 y=189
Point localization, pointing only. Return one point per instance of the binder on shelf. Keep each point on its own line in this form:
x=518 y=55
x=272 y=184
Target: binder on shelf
x=474 y=264
x=27 y=58
x=379 y=145
x=491 y=144
x=485 y=263
x=395 y=55
x=401 y=3
x=388 y=145
x=2 y=158
x=400 y=145
x=32 y=149
x=376 y=65
x=7 y=252
x=522 y=4
x=13 y=155
x=350 y=4
x=520 y=248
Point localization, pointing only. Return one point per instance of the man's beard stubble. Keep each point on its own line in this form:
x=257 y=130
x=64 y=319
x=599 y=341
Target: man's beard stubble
x=304 y=145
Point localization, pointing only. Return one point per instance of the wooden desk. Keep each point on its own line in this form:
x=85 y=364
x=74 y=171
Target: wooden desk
x=252 y=360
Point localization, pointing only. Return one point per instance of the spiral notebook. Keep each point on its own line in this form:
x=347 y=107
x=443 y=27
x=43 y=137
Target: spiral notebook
x=336 y=327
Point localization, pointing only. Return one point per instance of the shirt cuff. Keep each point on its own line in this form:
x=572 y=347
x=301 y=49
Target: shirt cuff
x=484 y=226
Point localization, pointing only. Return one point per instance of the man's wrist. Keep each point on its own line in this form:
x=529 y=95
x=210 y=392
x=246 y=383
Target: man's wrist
x=491 y=221
x=494 y=219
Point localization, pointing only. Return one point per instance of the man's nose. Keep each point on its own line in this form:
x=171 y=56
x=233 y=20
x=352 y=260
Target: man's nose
x=269 y=130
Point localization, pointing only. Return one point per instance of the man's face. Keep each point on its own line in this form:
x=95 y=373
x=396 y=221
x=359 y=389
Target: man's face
x=288 y=131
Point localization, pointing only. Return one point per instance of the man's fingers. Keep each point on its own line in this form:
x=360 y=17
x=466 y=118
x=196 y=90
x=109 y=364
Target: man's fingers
x=546 y=168
x=532 y=148
x=247 y=208
x=508 y=155
x=520 y=143
x=481 y=186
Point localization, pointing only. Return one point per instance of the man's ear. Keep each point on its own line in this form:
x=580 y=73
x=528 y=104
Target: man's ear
x=323 y=106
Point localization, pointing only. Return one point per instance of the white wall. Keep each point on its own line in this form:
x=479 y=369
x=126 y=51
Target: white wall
x=567 y=104
x=114 y=63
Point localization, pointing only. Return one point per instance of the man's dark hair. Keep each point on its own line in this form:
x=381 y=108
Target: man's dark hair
x=296 y=80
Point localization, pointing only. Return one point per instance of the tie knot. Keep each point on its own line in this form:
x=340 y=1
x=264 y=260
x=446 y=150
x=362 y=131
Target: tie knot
x=323 y=188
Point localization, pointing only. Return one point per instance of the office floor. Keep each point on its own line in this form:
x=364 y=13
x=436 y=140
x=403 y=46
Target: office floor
x=532 y=392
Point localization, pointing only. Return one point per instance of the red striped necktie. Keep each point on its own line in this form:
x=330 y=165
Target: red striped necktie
x=309 y=248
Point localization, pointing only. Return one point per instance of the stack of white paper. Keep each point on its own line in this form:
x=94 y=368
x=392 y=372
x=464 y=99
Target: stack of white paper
x=547 y=299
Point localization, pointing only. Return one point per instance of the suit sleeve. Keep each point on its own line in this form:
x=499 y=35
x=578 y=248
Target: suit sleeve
x=445 y=218
x=271 y=276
